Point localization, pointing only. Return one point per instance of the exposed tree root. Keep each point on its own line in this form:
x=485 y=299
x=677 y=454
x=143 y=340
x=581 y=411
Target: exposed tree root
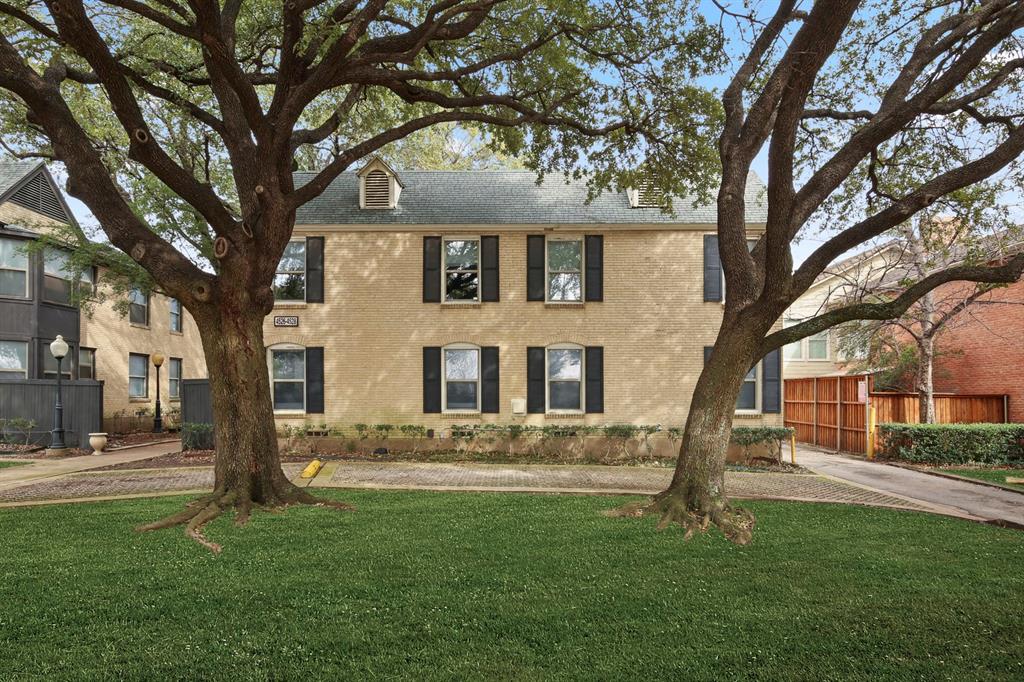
x=203 y=510
x=736 y=524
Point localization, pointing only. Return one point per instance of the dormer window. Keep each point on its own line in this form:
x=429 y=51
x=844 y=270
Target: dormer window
x=379 y=185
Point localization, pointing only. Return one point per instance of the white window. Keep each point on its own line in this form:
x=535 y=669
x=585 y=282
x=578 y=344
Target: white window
x=461 y=269
x=749 y=399
x=13 y=269
x=461 y=385
x=564 y=265
x=50 y=363
x=288 y=378
x=174 y=378
x=290 y=280
x=564 y=378
x=58 y=278
x=13 y=360
x=816 y=347
x=86 y=363
x=138 y=308
x=175 y=315
x=138 y=375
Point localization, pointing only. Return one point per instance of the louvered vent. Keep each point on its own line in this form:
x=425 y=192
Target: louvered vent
x=648 y=195
x=377 y=193
x=37 y=195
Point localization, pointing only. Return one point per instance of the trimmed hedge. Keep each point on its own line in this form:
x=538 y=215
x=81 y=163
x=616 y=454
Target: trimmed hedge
x=196 y=436
x=952 y=443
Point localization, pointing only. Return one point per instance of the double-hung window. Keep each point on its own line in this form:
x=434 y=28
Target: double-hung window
x=175 y=306
x=461 y=269
x=58 y=278
x=565 y=379
x=748 y=398
x=288 y=378
x=814 y=347
x=290 y=280
x=174 y=378
x=462 y=378
x=86 y=363
x=564 y=265
x=13 y=360
x=138 y=375
x=138 y=308
x=13 y=269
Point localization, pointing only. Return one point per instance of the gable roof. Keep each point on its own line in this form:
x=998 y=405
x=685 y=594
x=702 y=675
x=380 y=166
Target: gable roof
x=503 y=198
x=28 y=183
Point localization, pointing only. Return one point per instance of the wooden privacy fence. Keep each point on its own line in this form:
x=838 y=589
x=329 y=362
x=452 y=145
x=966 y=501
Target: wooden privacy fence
x=832 y=412
x=33 y=399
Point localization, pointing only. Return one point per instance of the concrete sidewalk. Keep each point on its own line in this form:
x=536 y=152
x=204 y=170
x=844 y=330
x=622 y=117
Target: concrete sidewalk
x=39 y=470
x=968 y=499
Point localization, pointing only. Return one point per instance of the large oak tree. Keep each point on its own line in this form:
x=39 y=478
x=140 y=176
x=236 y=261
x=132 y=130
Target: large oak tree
x=212 y=101
x=870 y=111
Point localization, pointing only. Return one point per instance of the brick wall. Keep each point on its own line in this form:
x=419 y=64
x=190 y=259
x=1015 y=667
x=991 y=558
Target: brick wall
x=983 y=352
x=653 y=325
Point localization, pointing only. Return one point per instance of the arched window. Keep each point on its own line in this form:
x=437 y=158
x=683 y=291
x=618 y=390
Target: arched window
x=460 y=367
x=564 y=374
x=287 y=365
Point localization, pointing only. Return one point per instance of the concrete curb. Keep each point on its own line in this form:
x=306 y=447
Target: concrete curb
x=955 y=477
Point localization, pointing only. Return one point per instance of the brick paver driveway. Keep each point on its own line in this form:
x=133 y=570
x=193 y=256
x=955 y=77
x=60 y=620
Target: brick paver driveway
x=479 y=477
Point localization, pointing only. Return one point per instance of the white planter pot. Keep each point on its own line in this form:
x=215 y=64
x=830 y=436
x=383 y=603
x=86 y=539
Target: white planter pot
x=97 y=441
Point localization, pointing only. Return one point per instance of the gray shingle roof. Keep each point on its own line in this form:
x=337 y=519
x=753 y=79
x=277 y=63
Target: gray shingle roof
x=12 y=172
x=502 y=198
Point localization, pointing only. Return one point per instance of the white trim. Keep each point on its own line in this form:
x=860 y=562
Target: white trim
x=583 y=378
x=270 y=370
x=24 y=370
x=444 y=270
x=583 y=268
x=444 y=377
x=19 y=246
x=136 y=376
x=171 y=313
x=148 y=298
x=758 y=368
x=805 y=344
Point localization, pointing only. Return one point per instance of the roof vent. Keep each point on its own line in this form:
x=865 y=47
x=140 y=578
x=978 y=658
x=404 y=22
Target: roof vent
x=379 y=185
x=645 y=195
x=37 y=195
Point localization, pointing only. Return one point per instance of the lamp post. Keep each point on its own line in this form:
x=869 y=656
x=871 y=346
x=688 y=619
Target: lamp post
x=59 y=349
x=158 y=420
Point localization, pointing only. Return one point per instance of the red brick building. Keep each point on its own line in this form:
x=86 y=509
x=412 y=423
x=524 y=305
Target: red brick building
x=983 y=350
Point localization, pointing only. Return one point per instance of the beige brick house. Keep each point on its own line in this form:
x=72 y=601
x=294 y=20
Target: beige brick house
x=36 y=305
x=440 y=298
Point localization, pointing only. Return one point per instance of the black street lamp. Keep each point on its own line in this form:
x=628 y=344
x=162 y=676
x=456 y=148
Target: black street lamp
x=59 y=349
x=158 y=420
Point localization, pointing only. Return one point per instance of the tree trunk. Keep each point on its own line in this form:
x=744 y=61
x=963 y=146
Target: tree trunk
x=925 y=384
x=248 y=467
x=696 y=497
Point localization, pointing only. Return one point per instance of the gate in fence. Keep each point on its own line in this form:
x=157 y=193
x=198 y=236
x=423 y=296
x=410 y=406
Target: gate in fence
x=832 y=412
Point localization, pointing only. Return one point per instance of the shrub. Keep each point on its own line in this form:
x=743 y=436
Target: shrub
x=196 y=436
x=752 y=435
x=952 y=443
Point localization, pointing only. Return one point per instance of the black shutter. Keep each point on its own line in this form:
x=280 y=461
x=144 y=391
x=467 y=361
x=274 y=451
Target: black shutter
x=490 y=287
x=535 y=268
x=771 y=382
x=593 y=287
x=432 y=270
x=315 y=380
x=431 y=379
x=489 y=380
x=535 y=402
x=315 y=269
x=594 y=369
x=712 y=269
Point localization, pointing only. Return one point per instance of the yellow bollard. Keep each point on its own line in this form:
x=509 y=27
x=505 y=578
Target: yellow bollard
x=871 y=432
x=312 y=469
x=792 y=447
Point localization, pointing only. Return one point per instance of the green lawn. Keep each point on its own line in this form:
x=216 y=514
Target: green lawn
x=993 y=475
x=4 y=464
x=419 y=585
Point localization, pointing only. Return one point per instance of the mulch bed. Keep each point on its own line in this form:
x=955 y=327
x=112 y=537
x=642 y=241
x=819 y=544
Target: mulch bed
x=42 y=454
x=17 y=449
x=120 y=440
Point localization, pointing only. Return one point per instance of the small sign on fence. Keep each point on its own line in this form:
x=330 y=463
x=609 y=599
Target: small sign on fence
x=862 y=391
